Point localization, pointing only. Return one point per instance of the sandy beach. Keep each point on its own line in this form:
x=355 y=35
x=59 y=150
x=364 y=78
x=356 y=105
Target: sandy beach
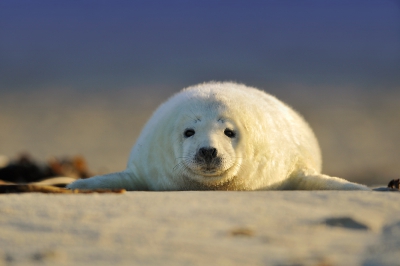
x=201 y=228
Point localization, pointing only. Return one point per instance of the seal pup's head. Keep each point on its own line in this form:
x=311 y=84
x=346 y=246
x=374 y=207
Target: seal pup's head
x=208 y=140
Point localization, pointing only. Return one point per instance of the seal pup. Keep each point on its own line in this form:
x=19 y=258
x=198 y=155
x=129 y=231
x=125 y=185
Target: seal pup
x=222 y=136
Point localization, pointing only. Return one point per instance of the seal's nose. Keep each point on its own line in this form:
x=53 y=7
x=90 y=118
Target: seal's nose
x=208 y=153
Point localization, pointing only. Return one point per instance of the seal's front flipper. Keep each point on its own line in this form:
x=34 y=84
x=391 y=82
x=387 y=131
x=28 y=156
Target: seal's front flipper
x=119 y=180
x=321 y=182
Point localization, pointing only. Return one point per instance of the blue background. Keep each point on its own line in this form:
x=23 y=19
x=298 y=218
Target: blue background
x=105 y=45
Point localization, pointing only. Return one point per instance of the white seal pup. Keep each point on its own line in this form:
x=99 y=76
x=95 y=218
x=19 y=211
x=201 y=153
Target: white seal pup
x=222 y=136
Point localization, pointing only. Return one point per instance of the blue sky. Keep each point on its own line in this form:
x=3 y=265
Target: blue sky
x=105 y=45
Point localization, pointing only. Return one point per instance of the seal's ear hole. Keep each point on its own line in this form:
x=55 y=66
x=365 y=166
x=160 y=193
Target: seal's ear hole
x=229 y=133
x=188 y=133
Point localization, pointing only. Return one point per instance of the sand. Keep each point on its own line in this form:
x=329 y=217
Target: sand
x=201 y=228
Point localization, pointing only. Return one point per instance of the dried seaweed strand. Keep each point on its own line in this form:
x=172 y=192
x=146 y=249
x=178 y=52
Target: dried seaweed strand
x=5 y=189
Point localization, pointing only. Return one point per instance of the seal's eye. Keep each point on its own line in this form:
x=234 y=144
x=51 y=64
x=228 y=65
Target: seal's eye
x=188 y=133
x=229 y=133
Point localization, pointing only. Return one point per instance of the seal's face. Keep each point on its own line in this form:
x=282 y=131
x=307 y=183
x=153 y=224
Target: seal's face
x=209 y=144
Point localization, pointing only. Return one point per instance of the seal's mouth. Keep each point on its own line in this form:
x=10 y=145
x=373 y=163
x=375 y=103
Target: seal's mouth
x=206 y=170
x=209 y=175
x=214 y=169
x=203 y=169
x=210 y=172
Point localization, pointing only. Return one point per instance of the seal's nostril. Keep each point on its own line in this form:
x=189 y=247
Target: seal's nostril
x=208 y=152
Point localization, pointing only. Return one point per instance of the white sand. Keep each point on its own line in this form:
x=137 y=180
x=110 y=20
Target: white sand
x=200 y=228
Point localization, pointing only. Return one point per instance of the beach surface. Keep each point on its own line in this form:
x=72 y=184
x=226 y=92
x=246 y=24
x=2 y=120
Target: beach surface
x=201 y=228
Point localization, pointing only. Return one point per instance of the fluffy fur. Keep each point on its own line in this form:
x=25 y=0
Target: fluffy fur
x=223 y=136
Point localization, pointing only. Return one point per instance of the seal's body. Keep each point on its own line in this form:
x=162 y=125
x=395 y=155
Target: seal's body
x=222 y=136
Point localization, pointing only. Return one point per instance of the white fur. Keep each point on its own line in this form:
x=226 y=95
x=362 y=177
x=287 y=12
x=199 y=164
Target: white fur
x=273 y=147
